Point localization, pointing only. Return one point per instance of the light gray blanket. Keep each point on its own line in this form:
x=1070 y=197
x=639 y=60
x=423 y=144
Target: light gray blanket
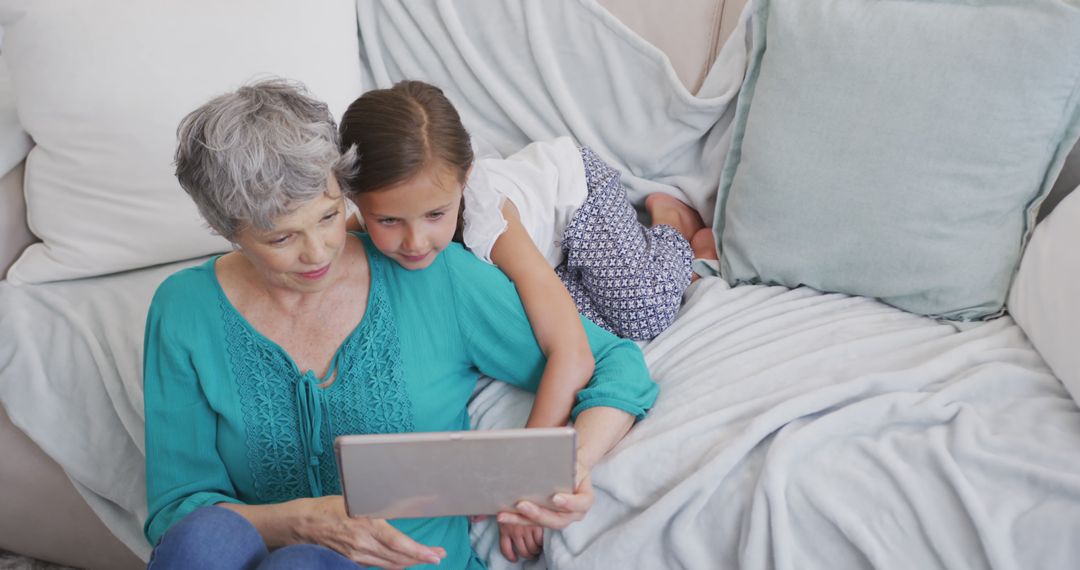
x=797 y=430
x=794 y=429
x=521 y=70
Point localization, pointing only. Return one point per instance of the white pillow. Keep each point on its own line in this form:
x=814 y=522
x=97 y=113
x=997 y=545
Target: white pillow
x=1045 y=295
x=101 y=87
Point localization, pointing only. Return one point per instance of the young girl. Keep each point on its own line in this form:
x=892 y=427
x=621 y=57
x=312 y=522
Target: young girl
x=552 y=205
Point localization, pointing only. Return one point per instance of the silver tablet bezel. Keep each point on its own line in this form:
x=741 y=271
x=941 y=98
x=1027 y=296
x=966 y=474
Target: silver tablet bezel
x=432 y=474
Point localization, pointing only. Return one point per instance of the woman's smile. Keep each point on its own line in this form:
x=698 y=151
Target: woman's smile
x=317 y=274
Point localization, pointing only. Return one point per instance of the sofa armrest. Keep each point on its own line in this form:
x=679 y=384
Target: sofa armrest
x=15 y=144
x=42 y=515
x=1066 y=182
x=14 y=233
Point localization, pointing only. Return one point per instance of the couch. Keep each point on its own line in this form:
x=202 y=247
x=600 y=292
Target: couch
x=719 y=452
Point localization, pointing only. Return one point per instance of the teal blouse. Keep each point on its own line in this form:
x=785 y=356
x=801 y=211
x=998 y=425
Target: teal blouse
x=230 y=418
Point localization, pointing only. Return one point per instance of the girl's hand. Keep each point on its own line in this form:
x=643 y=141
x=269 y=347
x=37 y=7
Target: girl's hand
x=568 y=508
x=524 y=541
x=371 y=542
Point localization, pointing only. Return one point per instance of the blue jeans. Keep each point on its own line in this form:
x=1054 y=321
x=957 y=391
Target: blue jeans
x=214 y=538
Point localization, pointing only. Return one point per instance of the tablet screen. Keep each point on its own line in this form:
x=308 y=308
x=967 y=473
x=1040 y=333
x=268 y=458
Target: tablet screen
x=438 y=474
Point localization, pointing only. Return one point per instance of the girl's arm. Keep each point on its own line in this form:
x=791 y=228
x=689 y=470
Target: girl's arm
x=554 y=320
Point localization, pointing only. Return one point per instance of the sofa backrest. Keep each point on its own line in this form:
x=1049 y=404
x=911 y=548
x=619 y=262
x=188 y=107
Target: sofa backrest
x=689 y=32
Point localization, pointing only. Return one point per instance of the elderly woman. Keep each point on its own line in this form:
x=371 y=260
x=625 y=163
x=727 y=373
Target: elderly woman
x=257 y=359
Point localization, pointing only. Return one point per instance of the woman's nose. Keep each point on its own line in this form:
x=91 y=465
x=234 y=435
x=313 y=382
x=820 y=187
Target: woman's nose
x=315 y=252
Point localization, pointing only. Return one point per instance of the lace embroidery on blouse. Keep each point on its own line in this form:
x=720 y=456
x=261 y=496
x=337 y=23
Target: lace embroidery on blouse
x=367 y=396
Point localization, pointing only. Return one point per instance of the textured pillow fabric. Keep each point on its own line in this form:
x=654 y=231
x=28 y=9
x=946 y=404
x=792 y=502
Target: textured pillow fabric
x=898 y=149
x=1045 y=296
x=101 y=87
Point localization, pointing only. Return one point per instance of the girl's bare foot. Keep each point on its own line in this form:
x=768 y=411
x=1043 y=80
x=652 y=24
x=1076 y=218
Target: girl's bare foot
x=703 y=244
x=670 y=211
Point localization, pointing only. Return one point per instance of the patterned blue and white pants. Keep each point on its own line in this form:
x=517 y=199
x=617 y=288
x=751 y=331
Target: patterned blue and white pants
x=625 y=277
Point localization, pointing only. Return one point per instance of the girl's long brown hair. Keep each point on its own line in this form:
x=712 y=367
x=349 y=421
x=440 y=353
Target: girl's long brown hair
x=398 y=132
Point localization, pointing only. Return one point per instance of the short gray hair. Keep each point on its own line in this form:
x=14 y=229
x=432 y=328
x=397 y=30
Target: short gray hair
x=252 y=155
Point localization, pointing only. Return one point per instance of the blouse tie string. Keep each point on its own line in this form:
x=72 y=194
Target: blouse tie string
x=309 y=406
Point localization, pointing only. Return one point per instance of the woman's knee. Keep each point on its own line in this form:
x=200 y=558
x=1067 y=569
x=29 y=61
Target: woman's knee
x=307 y=556
x=209 y=537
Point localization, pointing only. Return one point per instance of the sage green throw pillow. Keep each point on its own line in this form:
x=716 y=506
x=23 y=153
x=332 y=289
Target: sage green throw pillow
x=898 y=149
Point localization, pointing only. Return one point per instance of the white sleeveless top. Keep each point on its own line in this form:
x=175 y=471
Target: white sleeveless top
x=546 y=183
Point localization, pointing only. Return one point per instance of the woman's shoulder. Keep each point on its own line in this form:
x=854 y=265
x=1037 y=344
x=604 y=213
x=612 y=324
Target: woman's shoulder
x=464 y=267
x=181 y=304
x=186 y=288
x=374 y=258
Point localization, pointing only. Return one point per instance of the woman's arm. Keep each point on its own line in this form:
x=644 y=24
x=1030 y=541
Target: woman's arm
x=554 y=320
x=324 y=521
x=599 y=430
x=500 y=343
x=183 y=469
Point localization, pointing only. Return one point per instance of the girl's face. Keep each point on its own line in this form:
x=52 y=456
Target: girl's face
x=413 y=221
x=300 y=252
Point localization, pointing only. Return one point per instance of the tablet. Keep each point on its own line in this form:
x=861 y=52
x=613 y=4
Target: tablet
x=409 y=475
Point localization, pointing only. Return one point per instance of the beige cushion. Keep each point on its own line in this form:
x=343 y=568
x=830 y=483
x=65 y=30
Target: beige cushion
x=14 y=235
x=42 y=515
x=689 y=32
x=1043 y=299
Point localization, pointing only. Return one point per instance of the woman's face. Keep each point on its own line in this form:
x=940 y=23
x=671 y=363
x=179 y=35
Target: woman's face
x=301 y=252
x=413 y=221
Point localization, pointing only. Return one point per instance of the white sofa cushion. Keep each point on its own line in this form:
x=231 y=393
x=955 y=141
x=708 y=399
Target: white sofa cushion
x=101 y=87
x=1044 y=298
